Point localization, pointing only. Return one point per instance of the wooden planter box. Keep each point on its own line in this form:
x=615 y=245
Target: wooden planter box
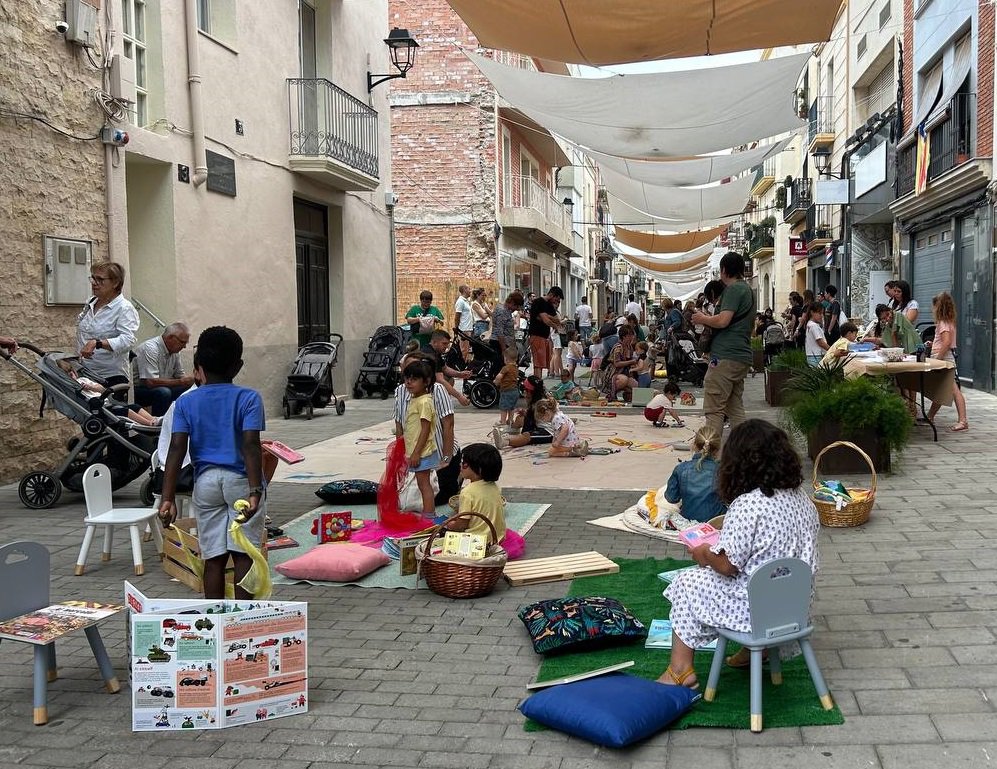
x=775 y=384
x=758 y=360
x=182 y=554
x=844 y=461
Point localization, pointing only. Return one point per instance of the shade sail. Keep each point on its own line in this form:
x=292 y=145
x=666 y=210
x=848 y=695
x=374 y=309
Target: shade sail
x=597 y=33
x=679 y=203
x=691 y=172
x=696 y=264
x=654 y=243
x=691 y=112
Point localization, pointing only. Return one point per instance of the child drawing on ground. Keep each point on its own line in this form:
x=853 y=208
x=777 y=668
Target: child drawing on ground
x=524 y=420
x=693 y=482
x=507 y=382
x=221 y=422
x=642 y=371
x=662 y=404
x=566 y=442
x=417 y=431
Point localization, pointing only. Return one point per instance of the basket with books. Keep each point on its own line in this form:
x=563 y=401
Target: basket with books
x=453 y=576
x=837 y=505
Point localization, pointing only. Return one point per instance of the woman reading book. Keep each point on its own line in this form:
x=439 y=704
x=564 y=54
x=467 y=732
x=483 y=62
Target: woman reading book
x=769 y=516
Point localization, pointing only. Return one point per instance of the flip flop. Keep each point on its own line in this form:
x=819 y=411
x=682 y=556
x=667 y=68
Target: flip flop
x=681 y=678
x=959 y=427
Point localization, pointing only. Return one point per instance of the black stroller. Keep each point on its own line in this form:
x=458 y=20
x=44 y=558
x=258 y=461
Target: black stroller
x=379 y=370
x=485 y=364
x=107 y=437
x=682 y=359
x=309 y=385
x=774 y=340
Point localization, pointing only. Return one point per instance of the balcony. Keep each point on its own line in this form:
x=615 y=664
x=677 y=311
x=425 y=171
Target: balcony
x=821 y=119
x=818 y=233
x=765 y=178
x=333 y=135
x=799 y=197
x=529 y=208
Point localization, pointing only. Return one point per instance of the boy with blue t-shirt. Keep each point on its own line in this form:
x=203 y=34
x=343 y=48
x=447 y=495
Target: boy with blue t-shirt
x=221 y=422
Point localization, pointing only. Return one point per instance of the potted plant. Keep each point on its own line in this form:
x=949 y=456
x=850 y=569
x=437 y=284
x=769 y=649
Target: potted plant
x=780 y=196
x=785 y=365
x=826 y=407
x=757 y=354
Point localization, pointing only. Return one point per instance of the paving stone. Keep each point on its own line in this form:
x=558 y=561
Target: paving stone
x=873 y=730
x=965 y=727
x=969 y=755
x=929 y=701
x=818 y=757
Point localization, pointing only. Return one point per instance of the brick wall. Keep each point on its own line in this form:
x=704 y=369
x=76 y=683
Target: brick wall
x=907 y=73
x=985 y=82
x=444 y=290
x=53 y=185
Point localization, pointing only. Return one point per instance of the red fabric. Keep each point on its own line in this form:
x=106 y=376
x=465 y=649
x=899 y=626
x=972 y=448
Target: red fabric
x=395 y=469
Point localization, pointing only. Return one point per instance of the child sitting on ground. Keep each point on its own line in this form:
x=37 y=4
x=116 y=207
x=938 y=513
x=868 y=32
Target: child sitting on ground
x=568 y=390
x=507 y=382
x=849 y=333
x=693 y=482
x=642 y=371
x=663 y=403
x=566 y=442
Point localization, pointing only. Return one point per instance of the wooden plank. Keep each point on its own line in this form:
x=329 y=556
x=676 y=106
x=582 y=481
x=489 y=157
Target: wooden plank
x=580 y=676
x=558 y=568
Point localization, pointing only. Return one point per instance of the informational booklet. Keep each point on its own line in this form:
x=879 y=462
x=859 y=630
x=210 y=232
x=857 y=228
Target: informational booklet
x=659 y=636
x=700 y=534
x=46 y=625
x=669 y=576
x=282 y=451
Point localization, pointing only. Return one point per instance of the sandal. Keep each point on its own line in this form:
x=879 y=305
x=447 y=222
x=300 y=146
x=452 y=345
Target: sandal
x=959 y=427
x=681 y=679
x=741 y=659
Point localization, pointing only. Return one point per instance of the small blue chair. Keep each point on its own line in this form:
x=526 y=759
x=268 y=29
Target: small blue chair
x=779 y=603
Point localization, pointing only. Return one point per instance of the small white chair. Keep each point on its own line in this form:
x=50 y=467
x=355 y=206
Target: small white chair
x=101 y=512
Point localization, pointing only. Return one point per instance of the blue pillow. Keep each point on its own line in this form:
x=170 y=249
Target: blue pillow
x=613 y=710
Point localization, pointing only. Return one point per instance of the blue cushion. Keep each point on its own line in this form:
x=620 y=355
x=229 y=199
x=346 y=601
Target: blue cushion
x=576 y=622
x=614 y=710
x=353 y=492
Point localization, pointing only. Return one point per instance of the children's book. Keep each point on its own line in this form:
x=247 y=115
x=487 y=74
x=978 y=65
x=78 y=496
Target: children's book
x=282 y=451
x=700 y=534
x=333 y=527
x=281 y=542
x=659 y=636
x=463 y=545
x=669 y=576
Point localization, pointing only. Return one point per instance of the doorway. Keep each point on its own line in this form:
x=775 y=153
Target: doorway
x=311 y=249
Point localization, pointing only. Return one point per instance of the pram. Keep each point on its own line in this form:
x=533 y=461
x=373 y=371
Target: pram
x=309 y=385
x=379 y=370
x=485 y=364
x=107 y=437
x=682 y=359
x=774 y=339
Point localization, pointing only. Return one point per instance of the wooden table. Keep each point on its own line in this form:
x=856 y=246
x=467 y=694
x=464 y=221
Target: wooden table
x=932 y=378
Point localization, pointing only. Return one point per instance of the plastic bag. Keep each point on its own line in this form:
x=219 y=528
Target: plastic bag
x=409 y=496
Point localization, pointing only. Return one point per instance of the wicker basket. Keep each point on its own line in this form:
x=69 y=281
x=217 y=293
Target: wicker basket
x=459 y=577
x=854 y=513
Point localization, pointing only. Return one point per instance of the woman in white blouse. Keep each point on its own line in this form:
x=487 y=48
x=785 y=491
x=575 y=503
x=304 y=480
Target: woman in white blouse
x=106 y=328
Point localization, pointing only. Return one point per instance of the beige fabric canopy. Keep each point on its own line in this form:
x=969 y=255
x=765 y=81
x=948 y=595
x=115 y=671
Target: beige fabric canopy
x=666 y=114
x=595 y=32
x=678 y=267
x=654 y=243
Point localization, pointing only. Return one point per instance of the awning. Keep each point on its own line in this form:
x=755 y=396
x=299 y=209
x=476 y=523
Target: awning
x=669 y=114
x=953 y=78
x=927 y=101
x=598 y=33
x=654 y=243
x=690 y=172
x=693 y=260
x=678 y=203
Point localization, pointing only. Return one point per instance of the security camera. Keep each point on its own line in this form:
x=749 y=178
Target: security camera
x=62 y=27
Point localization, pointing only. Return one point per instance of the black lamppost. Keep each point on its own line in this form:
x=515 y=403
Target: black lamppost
x=402 y=47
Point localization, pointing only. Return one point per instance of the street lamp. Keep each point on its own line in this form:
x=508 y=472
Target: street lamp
x=402 y=47
x=822 y=161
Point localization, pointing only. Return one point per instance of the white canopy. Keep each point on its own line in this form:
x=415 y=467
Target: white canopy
x=595 y=32
x=690 y=172
x=678 y=203
x=691 y=112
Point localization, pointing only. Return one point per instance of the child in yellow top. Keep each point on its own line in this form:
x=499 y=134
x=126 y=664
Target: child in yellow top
x=849 y=333
x=481 y=464
x=418 y=430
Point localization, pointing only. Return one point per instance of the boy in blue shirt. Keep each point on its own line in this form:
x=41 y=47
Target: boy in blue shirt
x=221 y=422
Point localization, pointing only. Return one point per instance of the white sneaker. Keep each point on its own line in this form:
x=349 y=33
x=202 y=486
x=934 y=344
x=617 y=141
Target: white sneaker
x=499 y=439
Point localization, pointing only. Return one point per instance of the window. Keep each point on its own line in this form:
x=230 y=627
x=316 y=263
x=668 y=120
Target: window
x=134 y=45
x=862 y=46
x=884 y=14
x=204 y=15
x=529 y=180
x=506 y=168
x=217 y=19
x=946 y=236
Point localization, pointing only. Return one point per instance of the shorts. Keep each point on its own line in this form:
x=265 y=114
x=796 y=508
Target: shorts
x=653 y=415
x=540 y=349
x=216 y=490
x=508 y=399
x=428 y=462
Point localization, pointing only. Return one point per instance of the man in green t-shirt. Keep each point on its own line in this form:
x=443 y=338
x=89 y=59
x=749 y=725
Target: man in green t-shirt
x=422 y=318
x=730 y=352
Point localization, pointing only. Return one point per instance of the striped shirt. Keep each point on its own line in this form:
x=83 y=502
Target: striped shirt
x=443 y=407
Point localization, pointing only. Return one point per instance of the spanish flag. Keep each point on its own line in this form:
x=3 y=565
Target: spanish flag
x=923 y=159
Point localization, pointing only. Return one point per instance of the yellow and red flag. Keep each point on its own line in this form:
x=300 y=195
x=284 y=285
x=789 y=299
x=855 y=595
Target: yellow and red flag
x=922 y=161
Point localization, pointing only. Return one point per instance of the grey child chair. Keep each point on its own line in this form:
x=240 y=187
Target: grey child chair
x=779 y=604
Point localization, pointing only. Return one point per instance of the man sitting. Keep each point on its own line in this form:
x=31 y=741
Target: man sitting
x=160 y=377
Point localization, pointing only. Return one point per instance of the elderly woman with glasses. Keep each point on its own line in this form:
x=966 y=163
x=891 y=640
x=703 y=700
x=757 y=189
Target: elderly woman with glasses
x=106 y=329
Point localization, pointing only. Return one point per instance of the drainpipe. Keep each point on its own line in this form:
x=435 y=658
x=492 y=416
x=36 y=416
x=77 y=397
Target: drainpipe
x=194 y=92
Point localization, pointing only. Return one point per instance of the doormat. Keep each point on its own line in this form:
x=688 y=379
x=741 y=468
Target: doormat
x=637 y=586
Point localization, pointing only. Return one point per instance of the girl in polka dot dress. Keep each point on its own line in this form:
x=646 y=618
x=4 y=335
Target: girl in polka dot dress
x=769 y=516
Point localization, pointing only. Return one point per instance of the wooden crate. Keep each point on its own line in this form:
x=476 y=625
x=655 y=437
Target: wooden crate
x=558 y=568
x=180 y=545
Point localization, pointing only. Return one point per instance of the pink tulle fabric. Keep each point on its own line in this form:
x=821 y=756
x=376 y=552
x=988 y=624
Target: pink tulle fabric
x=514 y=544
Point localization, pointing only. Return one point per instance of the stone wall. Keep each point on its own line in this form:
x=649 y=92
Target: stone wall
x=52 y=185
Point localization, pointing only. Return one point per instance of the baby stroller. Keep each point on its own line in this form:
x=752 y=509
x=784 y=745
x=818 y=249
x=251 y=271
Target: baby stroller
x=682 y=359
x=107 y=437
x=379 y=370
x=309 y=385
x=774 y=339
x=485 y=364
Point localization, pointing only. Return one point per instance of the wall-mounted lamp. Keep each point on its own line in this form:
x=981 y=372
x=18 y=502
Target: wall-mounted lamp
x=568 y=202
x=402 y=47
x=822 y=160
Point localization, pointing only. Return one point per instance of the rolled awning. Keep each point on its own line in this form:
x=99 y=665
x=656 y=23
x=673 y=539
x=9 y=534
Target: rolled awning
x=598 y=33
x=927 y=102
x=953 y=79
x=668 y=114
x=655 y=243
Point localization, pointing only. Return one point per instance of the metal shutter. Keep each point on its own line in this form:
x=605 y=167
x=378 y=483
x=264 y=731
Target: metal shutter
x=932 y=266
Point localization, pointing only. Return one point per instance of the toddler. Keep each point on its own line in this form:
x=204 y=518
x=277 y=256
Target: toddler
x=693 y=482
x=418 y=430
x=568 y=390
x=507 y=382
x=663 y=403
x=566 y=442
x=95 y=389
x=597 y=352
x=642 y=370
x=575 y=354
x=411 y=347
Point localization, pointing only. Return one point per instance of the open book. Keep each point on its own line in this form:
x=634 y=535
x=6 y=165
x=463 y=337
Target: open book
x=700 y=534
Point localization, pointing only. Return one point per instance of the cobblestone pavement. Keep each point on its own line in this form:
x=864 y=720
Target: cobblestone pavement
x=906 y=615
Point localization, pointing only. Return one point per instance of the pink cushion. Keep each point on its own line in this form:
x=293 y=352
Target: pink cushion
x=334 y=562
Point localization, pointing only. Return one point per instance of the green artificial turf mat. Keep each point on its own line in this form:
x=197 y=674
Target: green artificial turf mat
x=637 y=586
